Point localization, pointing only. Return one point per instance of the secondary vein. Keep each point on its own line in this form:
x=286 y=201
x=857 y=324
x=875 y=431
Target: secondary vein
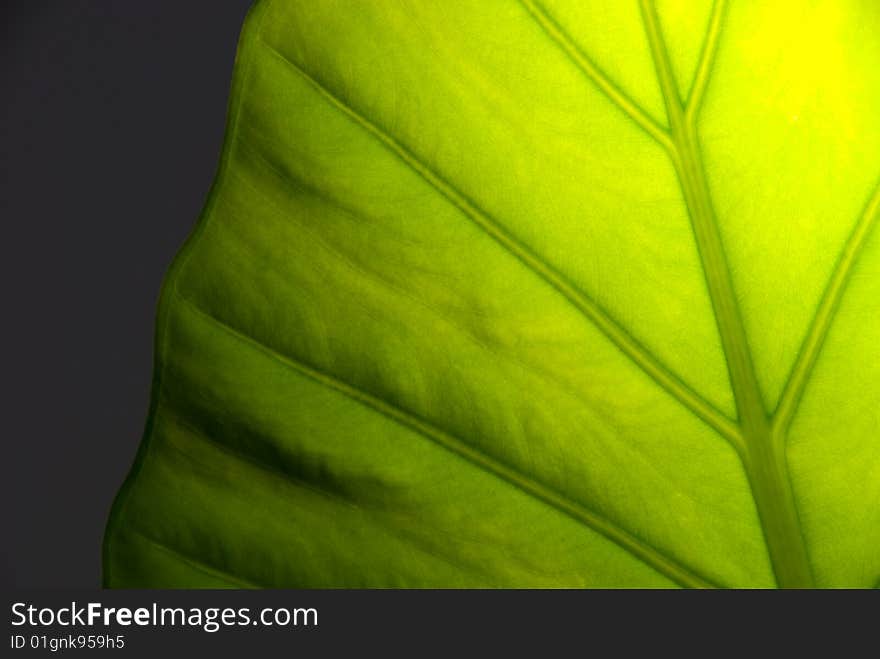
x=555 y=31
x=624 y=341
x=628 y=542
x=706 y=62
x=194 y=562
x=826 y=312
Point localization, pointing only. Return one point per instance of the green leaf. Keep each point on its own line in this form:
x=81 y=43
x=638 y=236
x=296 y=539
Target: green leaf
x=538 y=293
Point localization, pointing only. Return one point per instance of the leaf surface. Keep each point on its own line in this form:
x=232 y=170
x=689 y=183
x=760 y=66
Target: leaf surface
x=557 y=293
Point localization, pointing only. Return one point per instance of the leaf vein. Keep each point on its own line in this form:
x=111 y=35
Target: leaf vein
x=546 y=375
x=293 y=481
x=620 y=337
x=763 y=459
x=826 y=312
x=706 y=62
x=625 y=540
x=194 y=562
x=629 y=107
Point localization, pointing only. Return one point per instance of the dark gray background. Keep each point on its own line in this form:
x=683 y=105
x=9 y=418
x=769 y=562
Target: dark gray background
x=112 y=121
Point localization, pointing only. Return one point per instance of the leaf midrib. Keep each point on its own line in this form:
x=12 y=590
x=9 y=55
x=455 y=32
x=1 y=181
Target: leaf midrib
x=764 y=458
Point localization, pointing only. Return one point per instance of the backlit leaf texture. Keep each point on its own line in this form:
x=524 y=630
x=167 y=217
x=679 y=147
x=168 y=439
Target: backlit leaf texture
x=498 y=293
